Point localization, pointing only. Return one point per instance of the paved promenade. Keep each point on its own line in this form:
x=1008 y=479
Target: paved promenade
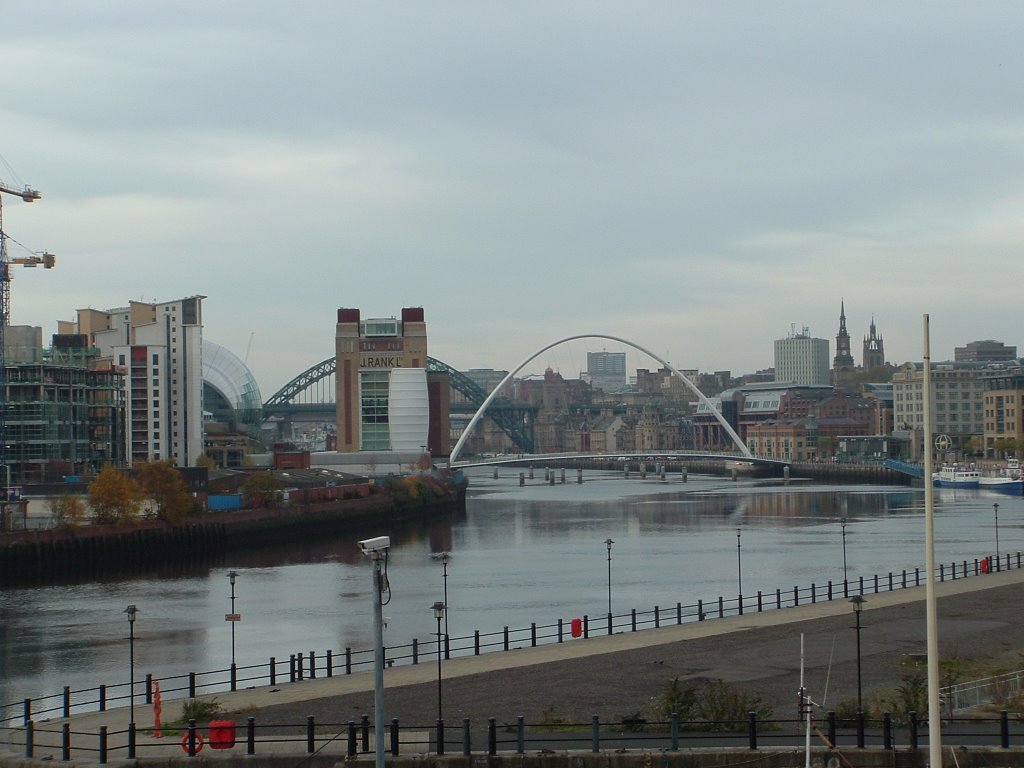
x=618 y=676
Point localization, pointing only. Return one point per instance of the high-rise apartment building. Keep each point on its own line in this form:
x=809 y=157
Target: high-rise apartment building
x=607 y=370
x=381 y=378
x=801 y=359
x=159 y=349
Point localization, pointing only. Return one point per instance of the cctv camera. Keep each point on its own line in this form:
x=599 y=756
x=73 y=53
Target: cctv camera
x=376 y=544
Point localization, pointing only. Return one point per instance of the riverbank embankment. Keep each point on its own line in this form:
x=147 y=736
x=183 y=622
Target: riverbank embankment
x=92 y=552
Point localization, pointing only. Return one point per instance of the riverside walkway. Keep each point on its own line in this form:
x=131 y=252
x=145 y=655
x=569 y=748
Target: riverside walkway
x=612 y=674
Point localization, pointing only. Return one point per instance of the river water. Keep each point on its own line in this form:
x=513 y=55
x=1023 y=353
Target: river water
x=519 y=555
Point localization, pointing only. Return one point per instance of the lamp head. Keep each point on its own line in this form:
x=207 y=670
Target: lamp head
x=438 y=610
x=445 y=557
x=858 y=603
x=131 y=610
x=609 y=543
x=232 y=575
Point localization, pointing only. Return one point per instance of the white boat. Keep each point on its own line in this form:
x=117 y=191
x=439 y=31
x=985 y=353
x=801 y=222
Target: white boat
x=956 y=476
x=1009 y=478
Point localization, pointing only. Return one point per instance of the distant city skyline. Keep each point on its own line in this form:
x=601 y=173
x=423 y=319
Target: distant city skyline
x=571 y=359
x=692 y=176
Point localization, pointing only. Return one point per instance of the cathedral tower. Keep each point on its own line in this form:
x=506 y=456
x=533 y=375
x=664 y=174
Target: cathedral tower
x=874 y=350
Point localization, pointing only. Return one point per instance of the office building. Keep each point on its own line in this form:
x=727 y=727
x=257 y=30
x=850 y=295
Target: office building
x=958 y=390
x=801 y=359
x=607 y=370
x=1003 y=403
x=985 y=351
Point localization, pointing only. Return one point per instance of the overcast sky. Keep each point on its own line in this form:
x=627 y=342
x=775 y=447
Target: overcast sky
x=695 y=177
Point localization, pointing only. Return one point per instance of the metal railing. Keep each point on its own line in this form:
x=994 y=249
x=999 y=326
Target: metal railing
x=354 y=738
x=312 y=664
x=975 y=693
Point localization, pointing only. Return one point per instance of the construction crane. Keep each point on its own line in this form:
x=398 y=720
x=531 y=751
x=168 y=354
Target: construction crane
x=47 y=261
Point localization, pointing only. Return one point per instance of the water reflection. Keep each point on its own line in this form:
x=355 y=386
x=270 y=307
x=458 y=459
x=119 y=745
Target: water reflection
x=518 y=555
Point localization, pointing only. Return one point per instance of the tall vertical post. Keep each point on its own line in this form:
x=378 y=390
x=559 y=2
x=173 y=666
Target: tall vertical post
x=378 y=656
x=931 y=613
x=739 y=562
x=858 y=606
x=995 y=511
x=377 y=549
x=439 y=614
x=608 y=543
x=842 y=524
x=445 y=557
x=233 y=618
x=131 y=610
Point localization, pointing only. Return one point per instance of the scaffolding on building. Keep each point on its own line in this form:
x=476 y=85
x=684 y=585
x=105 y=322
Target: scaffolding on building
x=65 y=413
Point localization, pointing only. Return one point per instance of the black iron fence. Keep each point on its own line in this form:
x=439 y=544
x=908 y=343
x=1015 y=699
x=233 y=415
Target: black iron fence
x=312 y=664
x=353 y=738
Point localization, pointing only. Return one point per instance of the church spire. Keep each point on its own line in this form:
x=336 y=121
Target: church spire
x=842 y=363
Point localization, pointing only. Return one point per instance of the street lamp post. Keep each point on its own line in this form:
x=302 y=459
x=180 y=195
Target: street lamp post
x=445 y=557
x=131 y=610
x=842 y=524
x=439 y=612
x=739 y=561
x=995 y=511
x=608 y=543
x=377 y=549
x=233 y=618
x=858 y=605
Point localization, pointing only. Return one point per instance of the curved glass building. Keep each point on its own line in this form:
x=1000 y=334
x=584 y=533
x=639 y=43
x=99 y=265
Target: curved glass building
x=230 y=392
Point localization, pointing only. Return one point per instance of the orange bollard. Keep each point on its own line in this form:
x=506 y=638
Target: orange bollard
x=157 y=709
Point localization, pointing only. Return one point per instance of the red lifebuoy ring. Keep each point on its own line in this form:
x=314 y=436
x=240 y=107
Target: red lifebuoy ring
x=199 y=743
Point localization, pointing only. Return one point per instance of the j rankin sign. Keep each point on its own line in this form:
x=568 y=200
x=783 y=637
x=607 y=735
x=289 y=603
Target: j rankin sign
x=380 y=361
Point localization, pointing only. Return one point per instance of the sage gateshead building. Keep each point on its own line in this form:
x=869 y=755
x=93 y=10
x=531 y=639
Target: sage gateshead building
x=231 y=395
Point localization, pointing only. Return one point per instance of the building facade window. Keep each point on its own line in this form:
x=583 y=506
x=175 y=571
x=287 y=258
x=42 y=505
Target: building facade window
x=374 y=429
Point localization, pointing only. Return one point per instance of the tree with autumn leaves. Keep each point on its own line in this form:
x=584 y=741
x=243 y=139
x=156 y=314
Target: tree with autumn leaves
x=162 y=483
x=118 y=498
x=115 y=497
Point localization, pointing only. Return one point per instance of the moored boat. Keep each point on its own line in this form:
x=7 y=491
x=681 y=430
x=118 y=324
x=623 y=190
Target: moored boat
x=1009 y=478
x=956 y=476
